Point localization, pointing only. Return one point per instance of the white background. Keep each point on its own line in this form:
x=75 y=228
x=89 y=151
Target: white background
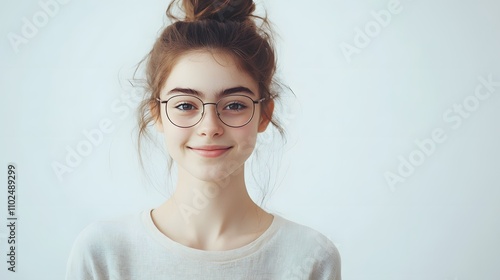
x=352 y=119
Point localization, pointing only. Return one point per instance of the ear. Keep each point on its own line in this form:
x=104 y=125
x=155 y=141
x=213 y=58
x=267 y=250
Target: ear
x=265 y=118
x=155 y=109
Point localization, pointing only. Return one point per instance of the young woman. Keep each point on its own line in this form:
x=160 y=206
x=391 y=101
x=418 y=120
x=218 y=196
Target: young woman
x=210 y=85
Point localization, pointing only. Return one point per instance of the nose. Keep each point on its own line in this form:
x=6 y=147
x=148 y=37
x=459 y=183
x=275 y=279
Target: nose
x=210 y=124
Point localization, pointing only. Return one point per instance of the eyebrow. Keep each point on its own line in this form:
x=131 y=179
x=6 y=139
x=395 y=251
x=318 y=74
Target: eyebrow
x=224 y=92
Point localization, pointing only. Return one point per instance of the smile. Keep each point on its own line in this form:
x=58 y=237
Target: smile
x=210 y=151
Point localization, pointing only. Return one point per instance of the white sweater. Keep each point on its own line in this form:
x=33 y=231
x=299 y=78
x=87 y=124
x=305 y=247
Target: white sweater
x=133 y=248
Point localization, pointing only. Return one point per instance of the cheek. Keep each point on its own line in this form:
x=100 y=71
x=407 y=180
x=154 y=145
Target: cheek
x=175 y=136
x=246 y=138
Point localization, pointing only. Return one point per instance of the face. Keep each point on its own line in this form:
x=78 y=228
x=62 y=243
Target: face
x=210 y=150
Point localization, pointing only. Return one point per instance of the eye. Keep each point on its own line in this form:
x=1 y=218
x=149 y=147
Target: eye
x=235 y=106
x=185 y=106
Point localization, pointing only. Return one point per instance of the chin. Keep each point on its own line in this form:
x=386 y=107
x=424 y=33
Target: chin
x=218 y=173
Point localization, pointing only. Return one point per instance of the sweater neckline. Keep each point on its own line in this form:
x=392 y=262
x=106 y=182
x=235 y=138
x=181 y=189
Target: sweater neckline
x=213 y=256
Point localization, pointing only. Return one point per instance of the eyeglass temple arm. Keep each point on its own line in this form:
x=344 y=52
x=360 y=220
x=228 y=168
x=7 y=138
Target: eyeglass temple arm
x=259 y=101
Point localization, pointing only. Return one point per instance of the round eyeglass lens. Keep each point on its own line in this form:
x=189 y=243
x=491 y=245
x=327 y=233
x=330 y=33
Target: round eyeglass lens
x=184 y=111
x=235 y=110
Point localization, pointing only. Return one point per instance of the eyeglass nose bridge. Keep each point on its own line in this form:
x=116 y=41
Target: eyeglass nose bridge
x=216 y=111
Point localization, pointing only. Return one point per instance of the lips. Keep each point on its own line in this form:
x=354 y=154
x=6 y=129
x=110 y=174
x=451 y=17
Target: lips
x=211 y=151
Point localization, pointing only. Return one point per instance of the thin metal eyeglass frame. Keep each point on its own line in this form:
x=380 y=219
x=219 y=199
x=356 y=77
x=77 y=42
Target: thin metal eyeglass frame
x=216 y=111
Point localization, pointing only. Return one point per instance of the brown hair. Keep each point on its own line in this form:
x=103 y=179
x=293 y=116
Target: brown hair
x=227 y=26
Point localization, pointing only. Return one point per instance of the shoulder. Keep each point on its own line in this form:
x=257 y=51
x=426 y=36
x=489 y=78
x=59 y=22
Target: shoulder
x=106 y=232
x=317 y=255
x=304 y=236
x=99 y=245
x=104 y=237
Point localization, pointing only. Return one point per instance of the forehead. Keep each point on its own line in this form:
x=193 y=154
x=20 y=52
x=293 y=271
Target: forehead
x=208 y=73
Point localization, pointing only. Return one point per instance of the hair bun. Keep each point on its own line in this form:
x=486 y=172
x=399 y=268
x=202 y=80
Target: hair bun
x=219 y=10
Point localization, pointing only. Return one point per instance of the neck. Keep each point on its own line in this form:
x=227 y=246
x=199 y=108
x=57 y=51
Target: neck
x=202 y=213
x=218 y=202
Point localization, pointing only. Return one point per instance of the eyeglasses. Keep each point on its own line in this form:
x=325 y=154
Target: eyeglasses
x=233 y=110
